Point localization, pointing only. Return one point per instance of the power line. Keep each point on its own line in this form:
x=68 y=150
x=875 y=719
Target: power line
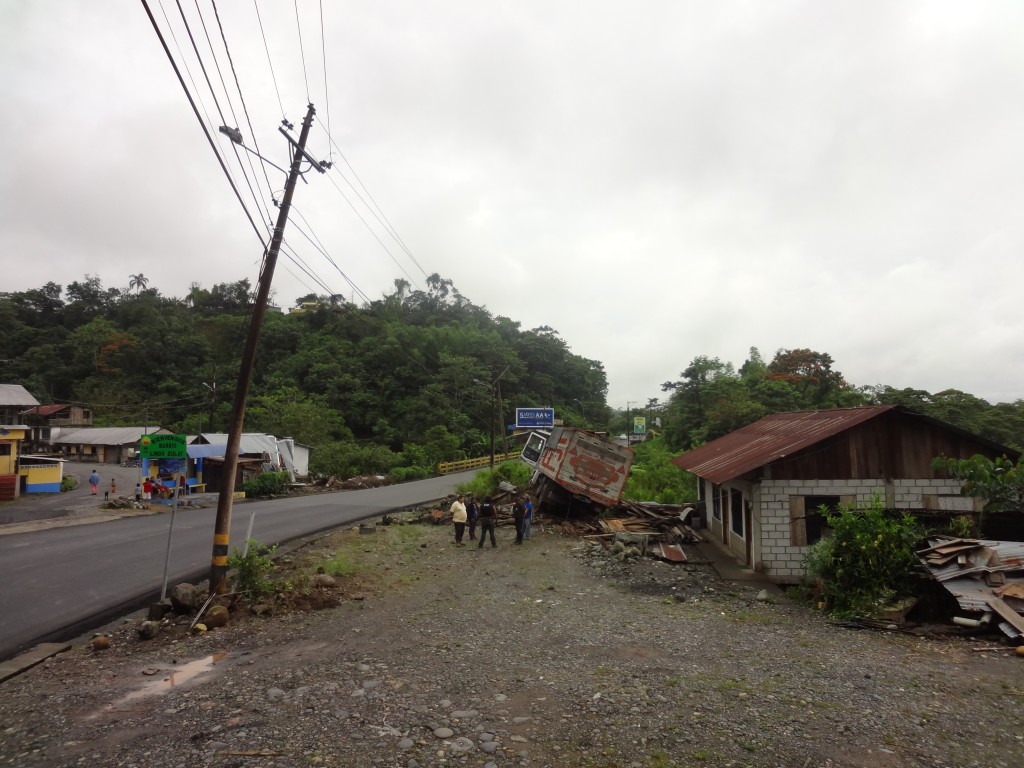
x=241 y=98
x=213 y=93
x=386 y=223
x=327 y=91
x=370 y=230
x=302 y=50
x=269 y=62
x=195 y=109
x=333 y=263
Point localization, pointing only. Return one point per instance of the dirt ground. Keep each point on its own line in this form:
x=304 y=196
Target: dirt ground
x=548 y=654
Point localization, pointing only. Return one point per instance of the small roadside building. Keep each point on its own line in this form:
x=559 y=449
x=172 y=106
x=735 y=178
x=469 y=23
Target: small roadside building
x=49 y=421
x=14 y=400
x=103 y=445
x=762 y=486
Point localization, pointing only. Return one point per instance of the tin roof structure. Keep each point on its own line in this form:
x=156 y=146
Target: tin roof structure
x=773 y=437
x=106 y=435
x=15 y=394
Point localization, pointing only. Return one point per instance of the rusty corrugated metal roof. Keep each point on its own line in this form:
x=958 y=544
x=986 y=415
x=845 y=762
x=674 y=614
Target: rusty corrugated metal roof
x=771 y=438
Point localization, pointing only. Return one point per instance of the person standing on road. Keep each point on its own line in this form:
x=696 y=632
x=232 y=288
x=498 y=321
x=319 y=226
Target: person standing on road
x=528 y=517
x=518 y=513
x=488 y=519
x=94 y=482
x=113 y=486
x=472 y=514
x=459 y=515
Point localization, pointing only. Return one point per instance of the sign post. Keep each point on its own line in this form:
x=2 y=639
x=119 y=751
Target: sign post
x=531 y=418
x=166 y=447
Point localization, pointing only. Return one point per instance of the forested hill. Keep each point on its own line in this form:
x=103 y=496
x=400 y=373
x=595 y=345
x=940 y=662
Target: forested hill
x=409 y=380
x=713 y=398
x=413 y=372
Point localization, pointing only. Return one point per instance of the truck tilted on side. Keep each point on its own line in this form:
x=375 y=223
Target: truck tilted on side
x=580 y=463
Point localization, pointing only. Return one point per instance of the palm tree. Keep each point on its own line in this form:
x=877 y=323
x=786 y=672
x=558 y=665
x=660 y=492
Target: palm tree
x=139 y=281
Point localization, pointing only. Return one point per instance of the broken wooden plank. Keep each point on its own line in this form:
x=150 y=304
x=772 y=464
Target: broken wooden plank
x=1007 y=613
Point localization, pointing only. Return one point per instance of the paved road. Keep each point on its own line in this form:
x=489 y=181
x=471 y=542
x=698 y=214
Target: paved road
x=56 y=583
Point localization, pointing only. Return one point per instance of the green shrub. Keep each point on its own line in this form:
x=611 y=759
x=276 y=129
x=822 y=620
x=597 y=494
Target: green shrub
x=403 y=474
x=485 y=483
x=252 y=569
x=867 y=561
x=267 y=484
x=69 y=483
x=349 y=459
x=654 y=477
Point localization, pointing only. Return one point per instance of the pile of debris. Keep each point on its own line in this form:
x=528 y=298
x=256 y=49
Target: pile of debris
x=985 y=577
x=656 y=529
x=331 y=483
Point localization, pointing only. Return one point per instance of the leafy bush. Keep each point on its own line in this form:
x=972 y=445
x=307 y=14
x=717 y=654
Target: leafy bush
x=485 y=482
x=351 y=459
x=69 y=483
x=267 y=484
x=867 y=561
x=404 y=474
x=654 y=477
x=252 y=569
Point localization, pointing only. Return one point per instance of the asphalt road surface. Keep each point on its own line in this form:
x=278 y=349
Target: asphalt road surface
x=57 y=583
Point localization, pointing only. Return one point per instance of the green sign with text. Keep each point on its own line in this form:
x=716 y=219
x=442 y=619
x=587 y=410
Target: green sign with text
x=163 y=447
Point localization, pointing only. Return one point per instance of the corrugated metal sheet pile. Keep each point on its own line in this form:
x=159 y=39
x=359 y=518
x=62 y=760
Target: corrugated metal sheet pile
x=985 y=577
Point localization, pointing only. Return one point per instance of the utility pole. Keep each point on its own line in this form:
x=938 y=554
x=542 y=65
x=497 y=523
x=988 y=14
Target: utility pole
x=222 y=529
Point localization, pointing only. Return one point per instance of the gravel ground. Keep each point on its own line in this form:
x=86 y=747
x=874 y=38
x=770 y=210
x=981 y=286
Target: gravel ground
x=546 y=654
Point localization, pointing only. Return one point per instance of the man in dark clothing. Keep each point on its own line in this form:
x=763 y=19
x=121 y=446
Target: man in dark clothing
x=519 y=515
x=472 y=515
x=488 y=519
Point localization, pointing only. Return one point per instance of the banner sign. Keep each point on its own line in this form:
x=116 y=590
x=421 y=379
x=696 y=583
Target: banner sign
x=639 y=425
x=163 y=447
x=528 y=418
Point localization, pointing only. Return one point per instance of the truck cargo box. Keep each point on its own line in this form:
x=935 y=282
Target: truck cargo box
x=584 y=463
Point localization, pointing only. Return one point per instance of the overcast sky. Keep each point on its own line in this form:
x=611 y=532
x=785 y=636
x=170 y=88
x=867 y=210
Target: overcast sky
x=654 y=180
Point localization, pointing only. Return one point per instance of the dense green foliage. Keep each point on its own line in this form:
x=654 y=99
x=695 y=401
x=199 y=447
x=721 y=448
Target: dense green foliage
x=486 y=482
x=655 y=478
x=999 y=481
x=405 y=381
x=866 y=562
x=252 y=569
x=712 y=398
x=267 y=484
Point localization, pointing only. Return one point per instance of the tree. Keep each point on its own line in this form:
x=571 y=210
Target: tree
x=998 y=481
x=139 y=281
x=812 y=375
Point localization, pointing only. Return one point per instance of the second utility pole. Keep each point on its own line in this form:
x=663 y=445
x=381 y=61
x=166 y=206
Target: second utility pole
x=222 y=529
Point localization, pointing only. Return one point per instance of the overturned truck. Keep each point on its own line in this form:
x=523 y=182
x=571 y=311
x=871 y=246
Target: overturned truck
x=576 y=471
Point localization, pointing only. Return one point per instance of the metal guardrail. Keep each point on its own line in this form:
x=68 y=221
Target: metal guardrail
x=446 y=468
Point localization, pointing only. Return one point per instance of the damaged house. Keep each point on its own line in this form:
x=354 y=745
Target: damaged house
x=761 y=487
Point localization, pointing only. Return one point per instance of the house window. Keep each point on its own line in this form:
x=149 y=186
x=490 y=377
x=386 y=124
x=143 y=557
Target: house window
x=716 y=502
x=814 y=520
x=736 y=512
x=5 y=449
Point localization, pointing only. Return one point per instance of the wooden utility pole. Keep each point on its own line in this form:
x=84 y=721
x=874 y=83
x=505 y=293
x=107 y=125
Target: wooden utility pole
x=222 y=529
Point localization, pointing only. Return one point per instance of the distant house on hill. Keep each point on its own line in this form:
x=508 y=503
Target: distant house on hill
x=762 y=485
x=47 y=422
x=104 y=445
x=14 y=399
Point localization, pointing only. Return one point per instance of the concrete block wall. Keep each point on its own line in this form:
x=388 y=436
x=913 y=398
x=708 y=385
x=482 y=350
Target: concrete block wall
x=782 y=561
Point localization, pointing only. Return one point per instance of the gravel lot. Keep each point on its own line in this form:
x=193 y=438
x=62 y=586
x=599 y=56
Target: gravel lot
x=546 y=654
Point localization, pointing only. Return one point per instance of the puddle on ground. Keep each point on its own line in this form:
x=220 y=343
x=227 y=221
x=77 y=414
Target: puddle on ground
x=177 y=676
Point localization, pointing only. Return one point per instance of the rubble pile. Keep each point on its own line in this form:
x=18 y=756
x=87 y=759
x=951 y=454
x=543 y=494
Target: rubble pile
x=985 y=577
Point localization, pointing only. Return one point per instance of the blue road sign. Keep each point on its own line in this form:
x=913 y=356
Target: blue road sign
x=527 y=418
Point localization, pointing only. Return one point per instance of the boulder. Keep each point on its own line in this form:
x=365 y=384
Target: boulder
x=324 y=580
x=149 y=629
x=217 y=616
x=100 y=643
x=183 y=598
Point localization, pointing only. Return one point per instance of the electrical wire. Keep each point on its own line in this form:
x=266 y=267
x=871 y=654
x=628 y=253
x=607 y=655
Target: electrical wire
x=302 y=50
x=195 y=109
x=245 y=108
x=386 y=223
x=370 y=230
x=213 y=93
x=269 y=62
x=333 y=263
x=327 y=91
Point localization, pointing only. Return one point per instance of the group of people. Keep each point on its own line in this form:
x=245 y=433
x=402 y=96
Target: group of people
x=466 y=513
x=143 y=490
